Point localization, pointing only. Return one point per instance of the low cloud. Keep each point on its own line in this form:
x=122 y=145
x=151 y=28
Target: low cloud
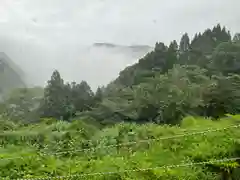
x=42 y=35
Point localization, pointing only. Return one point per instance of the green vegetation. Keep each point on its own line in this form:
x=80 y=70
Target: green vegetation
x=61 y=148
x=173 y=115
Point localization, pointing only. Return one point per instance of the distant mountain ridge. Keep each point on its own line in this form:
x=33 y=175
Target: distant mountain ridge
x=110 y=45
x=134 y=51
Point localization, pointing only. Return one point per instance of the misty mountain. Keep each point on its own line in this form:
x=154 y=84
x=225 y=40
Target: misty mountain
x=41 y=36
x=97 y=63
x=11 y=76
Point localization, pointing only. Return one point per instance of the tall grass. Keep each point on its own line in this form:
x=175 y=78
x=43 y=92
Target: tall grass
x=63 y=148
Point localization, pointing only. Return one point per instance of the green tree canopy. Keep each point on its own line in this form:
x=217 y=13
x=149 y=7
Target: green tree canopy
x=54 y=97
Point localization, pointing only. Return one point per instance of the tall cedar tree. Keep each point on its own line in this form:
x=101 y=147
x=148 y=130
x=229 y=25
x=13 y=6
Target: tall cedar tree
x=54 y=102
x=184 y=43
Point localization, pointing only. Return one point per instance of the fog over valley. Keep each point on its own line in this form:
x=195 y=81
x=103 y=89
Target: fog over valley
x=43 y=35
x=97 y=65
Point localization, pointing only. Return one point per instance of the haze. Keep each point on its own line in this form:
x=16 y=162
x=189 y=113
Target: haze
x=43 y=35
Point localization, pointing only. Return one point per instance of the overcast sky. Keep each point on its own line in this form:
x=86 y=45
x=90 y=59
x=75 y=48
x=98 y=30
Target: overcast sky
x=41 y=35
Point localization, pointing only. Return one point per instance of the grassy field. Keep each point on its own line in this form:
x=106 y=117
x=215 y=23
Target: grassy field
x=78 y=150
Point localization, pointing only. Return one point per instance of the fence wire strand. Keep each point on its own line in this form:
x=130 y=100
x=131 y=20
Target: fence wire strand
x=210 y=130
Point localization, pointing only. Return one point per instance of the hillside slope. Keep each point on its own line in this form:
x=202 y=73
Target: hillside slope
x=195 y=51
x=11 y=75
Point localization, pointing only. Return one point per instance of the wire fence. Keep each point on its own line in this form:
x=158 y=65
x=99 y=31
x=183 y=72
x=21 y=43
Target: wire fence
x=135 y=170
x=127 y=143
x=204 y=132
x=19 y=133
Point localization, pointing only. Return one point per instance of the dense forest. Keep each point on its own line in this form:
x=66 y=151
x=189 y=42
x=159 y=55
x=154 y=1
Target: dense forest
x=172 y=115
